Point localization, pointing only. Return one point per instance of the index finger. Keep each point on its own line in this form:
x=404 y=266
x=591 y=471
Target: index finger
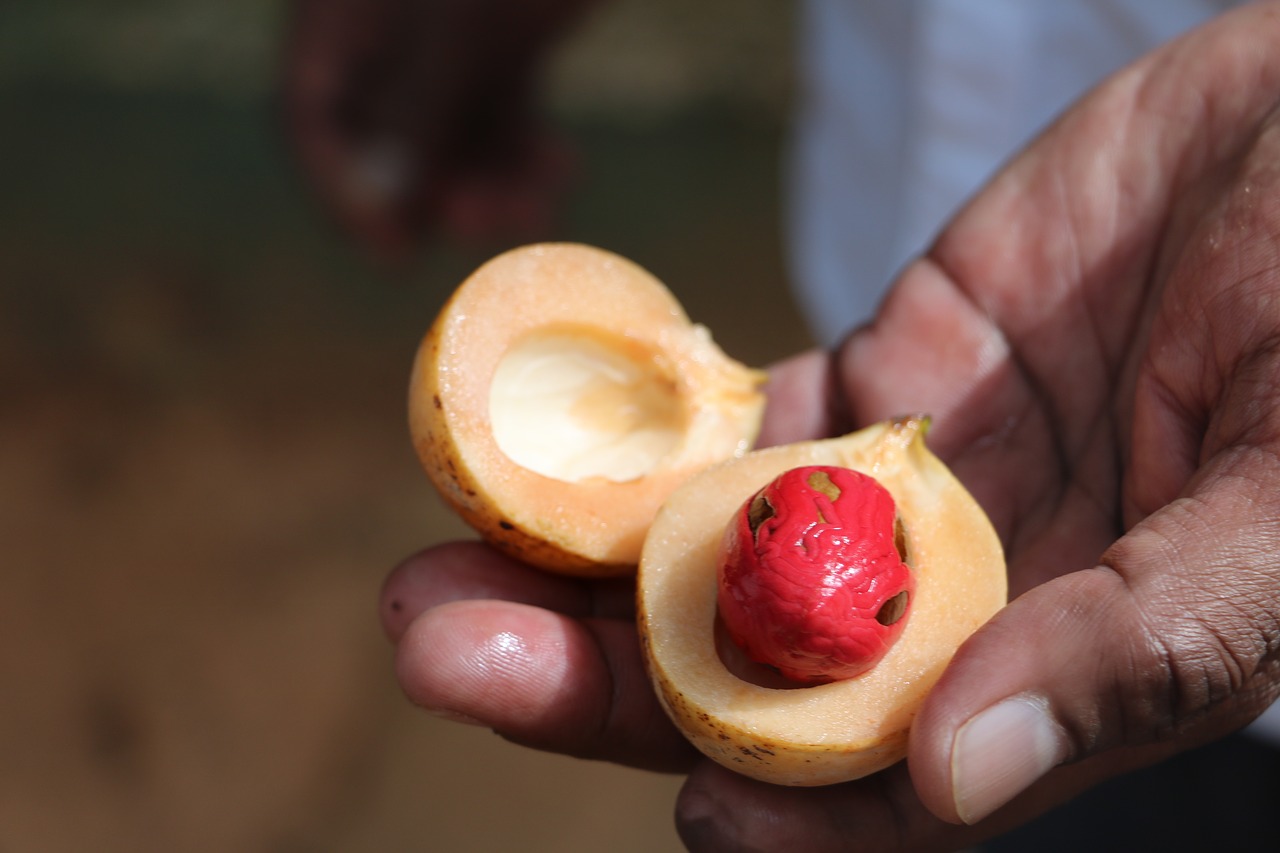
x=461 y=571
x=545 y=661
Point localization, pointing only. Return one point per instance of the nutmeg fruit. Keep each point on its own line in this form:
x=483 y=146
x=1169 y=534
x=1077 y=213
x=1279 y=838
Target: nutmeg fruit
x=561 y=394
x=826 y=733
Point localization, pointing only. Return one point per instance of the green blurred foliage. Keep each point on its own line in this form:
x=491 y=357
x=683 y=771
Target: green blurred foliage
x=225 y=47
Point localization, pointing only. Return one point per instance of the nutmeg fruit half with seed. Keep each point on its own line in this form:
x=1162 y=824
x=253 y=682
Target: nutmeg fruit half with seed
x=745 y=716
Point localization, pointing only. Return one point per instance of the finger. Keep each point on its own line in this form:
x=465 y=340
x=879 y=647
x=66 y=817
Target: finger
x=456 y=571
x=804 y=400
x=933 y=350
x=510 y=192
x=1166 y=643
x=359 y=167
x=541 y=679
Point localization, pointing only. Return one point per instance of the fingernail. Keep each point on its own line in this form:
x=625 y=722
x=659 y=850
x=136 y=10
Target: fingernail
x=1002 y=751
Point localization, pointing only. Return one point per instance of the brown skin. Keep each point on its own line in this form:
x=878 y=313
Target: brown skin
x=1096 y=337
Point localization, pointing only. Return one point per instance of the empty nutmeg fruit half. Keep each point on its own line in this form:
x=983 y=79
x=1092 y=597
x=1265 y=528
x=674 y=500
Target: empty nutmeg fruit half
x=562 y=394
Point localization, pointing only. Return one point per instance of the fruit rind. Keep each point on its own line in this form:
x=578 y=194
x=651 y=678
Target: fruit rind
x=833 y=732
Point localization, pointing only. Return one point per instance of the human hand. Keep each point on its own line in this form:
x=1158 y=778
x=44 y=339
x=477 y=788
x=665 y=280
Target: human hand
x=419 y=117
x=1095 y=336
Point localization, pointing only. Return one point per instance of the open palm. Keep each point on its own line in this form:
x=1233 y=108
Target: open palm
x=1098 y=338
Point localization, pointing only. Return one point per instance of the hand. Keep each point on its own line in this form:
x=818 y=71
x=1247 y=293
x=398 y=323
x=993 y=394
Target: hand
x=1096 y=337
x=419 y=117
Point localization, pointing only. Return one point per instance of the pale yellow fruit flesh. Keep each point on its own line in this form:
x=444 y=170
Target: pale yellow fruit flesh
x=571 y=405
x=562 y=394
x=833 y=732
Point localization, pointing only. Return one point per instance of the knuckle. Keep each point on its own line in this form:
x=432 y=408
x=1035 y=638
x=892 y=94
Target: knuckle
x=1204 y=644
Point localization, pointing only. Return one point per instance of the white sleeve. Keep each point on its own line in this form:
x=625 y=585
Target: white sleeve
x=906 y=106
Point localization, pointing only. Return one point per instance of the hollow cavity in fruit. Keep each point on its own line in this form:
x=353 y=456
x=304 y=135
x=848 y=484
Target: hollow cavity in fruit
x=561 y=394
x=845 y=729
x=812 y=574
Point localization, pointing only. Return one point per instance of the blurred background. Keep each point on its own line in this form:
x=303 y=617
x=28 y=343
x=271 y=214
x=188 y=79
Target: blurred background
x=204 y=467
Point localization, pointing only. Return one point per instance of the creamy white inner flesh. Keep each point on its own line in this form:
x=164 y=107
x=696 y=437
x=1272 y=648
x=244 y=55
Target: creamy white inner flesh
x=572 y=405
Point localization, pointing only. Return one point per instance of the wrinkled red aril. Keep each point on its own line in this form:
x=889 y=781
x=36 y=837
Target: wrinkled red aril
x=812 y=572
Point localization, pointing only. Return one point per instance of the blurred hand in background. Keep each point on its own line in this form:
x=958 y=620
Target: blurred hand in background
x=415 y=119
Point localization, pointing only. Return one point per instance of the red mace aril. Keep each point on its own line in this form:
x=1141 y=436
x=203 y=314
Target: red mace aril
x=812 y=573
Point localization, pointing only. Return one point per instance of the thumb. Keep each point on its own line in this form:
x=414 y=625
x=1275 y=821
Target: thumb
x=1168 y=643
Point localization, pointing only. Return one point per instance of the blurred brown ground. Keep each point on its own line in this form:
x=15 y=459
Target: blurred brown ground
x=204 y=471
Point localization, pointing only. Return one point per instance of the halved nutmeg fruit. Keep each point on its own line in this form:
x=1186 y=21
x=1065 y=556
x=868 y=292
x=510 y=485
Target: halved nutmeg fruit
x=751 y=719
x=562 y=394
